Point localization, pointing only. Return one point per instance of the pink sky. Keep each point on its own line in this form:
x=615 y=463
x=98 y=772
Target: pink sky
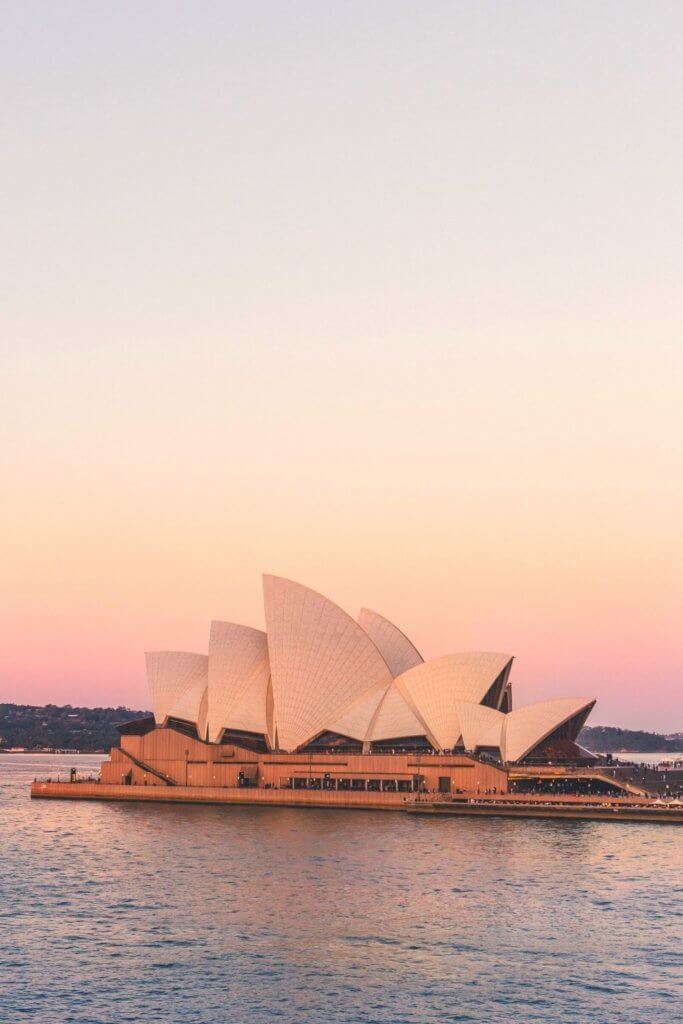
x=385 y=300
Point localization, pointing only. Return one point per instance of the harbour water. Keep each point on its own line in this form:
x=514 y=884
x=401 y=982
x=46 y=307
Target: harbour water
x=203 y=915
x=650 y=759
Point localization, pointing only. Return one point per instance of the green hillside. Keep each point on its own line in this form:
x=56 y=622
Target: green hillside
x=609 y=739
x=84 y=729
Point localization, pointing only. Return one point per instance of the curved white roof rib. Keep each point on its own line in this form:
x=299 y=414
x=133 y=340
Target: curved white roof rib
x=320 y=660
x=480 y=726
x=434 y=688
x=177 y=686
x=239 y=671
x=356 y=718
x=395 y=719
x=271 y=725
x=203 y=716
x=525 y=728
x=394 y=646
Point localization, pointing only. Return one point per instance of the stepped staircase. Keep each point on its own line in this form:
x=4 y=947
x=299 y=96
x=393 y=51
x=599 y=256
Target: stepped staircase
x=166 y=779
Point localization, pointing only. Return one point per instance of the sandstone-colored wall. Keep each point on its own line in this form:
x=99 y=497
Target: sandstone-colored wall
x=189 y=761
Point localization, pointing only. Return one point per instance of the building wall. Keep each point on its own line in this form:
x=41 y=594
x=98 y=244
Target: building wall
x=191 y=762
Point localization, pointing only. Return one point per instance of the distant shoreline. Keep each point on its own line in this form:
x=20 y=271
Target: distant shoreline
x=664 y=754
x=52 y=752
x=32 y=728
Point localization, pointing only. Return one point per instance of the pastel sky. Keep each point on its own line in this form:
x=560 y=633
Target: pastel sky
x=381 y=296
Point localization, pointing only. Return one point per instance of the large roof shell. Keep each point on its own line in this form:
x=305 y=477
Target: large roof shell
x=434 y=688
x=525 y=728
x=239 y=672
x=380 y=715
x=394 y=646
x=178 y=685
x=395 y=719
x=479 y=726
x=203 y=716
x=355 y=719
x=316 y=670
x=321 y=660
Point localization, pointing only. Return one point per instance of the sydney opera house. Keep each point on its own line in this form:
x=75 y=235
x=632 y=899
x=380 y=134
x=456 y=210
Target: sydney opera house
x=320 y=700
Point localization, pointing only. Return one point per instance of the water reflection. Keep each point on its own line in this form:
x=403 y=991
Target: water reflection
x=201 y=914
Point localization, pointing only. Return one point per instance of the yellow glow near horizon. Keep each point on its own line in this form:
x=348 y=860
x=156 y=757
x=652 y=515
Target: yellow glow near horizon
x=384 y=300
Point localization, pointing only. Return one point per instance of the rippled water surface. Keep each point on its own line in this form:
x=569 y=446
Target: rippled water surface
x=114 y=912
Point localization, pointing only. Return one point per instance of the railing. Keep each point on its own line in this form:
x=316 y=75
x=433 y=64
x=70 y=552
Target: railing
x=71 y=779
x=143 y=766
x=559 y=800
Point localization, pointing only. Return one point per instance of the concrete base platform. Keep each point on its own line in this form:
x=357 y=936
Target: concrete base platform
x=579 y=811
x=576 y=808
x=218 y=795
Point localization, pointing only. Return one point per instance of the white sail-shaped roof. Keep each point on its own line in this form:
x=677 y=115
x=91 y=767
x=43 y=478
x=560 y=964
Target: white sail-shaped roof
x=479 y=726
x=356 y=718
x=320 y=660
x=203 y=716
x=238 y=679
x=317 y=671
x=177 y=685
x=394 y=646
x=396 y=719
x=492 y=737
x=434 y=688
x=525 y=728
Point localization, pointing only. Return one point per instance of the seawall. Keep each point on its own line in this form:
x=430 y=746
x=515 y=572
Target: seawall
x=518 y=806
x=217 y=795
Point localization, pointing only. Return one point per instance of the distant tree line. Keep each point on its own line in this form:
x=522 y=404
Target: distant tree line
x=84 y=729
x=608 y=739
